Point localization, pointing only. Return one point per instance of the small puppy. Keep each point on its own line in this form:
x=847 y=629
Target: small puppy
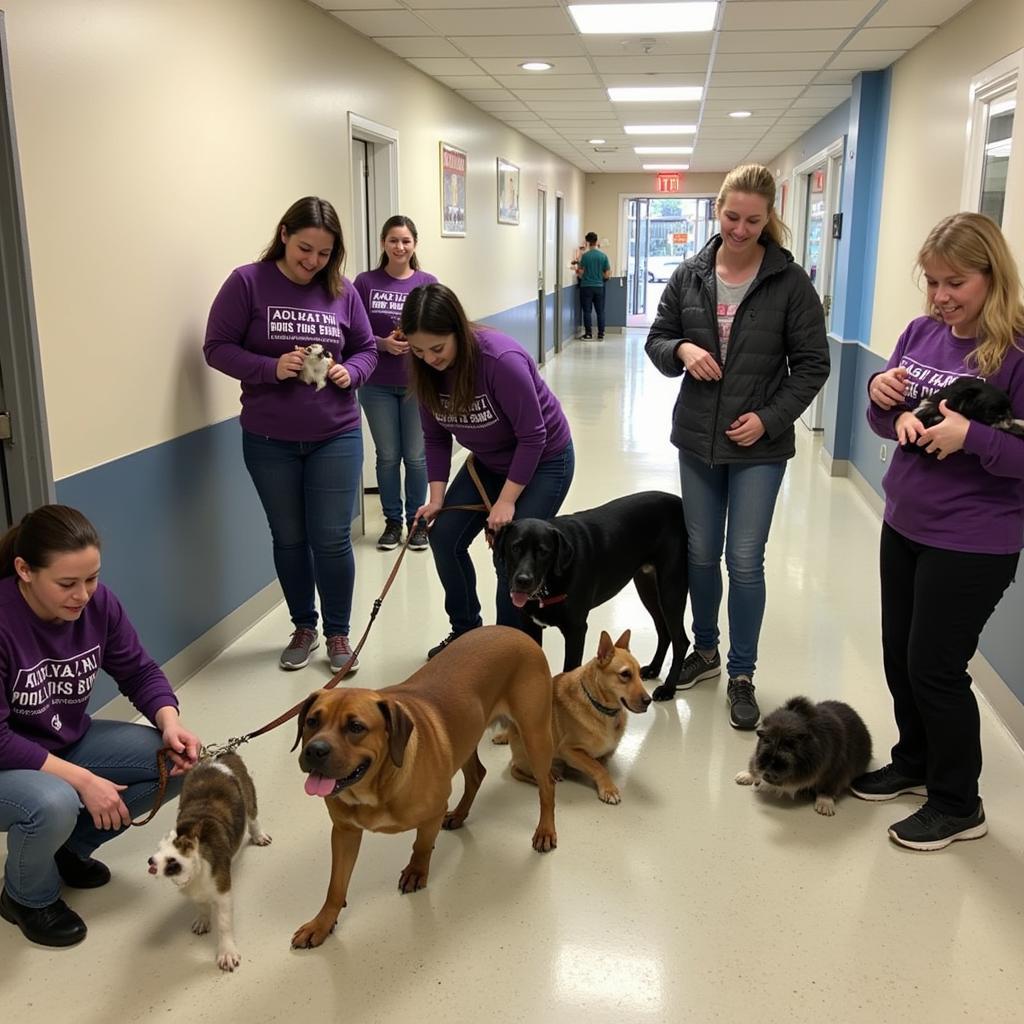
x=315 y=364
x=587 y=718
x=217 y=807
x=809 y=748
x=971 y=397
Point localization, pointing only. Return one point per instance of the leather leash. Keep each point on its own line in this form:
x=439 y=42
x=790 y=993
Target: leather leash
x=216 y=750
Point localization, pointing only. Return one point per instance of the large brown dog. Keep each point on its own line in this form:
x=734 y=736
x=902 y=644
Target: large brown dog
x=589 y=714
x=384 y=759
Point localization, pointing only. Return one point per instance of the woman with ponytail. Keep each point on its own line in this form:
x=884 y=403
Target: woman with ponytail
x=68 y=783
x=741 y=323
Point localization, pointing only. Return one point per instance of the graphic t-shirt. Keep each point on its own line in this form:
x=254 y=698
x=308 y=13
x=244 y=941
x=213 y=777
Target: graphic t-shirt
x=729 y=297
x=257 y=316
x=383 y=298
x=594 y=263
x=972 y=500
x=47 y=672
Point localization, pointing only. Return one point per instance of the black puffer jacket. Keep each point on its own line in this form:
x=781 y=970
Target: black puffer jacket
x=777 y=359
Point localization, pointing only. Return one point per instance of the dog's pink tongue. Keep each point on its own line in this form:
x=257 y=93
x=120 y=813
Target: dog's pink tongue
x=318 y=785
x=518 y=598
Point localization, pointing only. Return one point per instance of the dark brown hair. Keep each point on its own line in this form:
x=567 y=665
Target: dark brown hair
x=312 y=212
x=435 y=309
x=49 y=530
x=398 y=221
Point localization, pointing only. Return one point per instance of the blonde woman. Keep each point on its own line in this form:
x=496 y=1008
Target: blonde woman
x=742 y=324
x=953 y=528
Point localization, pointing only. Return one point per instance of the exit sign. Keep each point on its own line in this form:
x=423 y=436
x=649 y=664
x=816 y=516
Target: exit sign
x=668 y=182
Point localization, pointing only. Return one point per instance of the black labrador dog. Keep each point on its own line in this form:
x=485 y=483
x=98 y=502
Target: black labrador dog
x=558 y=569
x=973 y=398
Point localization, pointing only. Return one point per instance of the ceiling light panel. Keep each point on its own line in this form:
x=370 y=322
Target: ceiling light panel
x=656 y=94
x=660 y=129
x=631 y=19
x=681 y=150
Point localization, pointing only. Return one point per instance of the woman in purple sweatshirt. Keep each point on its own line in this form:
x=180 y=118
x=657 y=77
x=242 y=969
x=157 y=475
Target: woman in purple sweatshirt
x=391 y=412
x=302 y=443
x=954 y=525
x=68 y=783
x=480 y=387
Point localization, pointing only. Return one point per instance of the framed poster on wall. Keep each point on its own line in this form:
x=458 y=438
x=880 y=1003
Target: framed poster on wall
x=453 y=192
x=508 y=192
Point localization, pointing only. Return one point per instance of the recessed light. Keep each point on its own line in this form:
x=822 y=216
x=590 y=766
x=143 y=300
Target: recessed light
x=536 y=65
x=666 y=167
x=596 y=142
x=681 y=150
x=660 y=129
x=632 y=19
x=740 y=113
x=656 y=94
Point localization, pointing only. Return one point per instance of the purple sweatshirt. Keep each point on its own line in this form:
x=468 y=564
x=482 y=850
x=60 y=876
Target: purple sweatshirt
x=974 y=499
x=515 y=422
x=258 y=315
x=47 y=671
x=383 y=297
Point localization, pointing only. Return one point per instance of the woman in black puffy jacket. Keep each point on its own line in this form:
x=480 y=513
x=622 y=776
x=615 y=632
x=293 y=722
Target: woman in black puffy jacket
x=743 y=326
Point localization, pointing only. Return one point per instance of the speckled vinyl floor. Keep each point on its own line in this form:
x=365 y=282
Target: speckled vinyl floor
x=694 y=900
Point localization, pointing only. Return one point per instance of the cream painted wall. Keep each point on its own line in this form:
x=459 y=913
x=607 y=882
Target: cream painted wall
x=925 y=149
x=602 y=203
x=159 y=143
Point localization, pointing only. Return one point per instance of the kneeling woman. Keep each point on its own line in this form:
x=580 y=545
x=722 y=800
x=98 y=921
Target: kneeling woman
x=481 y=387
x=68 y=783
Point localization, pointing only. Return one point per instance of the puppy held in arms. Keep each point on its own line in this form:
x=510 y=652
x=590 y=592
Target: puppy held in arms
x=589 y=715
x=974 y=399
x=315 y=364
x=817 y=749
x=217 y=808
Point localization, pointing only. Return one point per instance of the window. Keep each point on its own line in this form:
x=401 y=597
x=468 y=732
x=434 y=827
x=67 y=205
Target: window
x=990 y=137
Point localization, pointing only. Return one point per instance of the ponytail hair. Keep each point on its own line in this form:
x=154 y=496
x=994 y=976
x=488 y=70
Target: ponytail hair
x=756 y=180
x=49 y=530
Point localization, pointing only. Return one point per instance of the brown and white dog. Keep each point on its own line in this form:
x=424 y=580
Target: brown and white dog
x=217 y=808
x=589 y=714
x=315 y=364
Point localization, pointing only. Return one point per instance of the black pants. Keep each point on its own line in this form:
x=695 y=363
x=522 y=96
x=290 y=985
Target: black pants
x=592 y=296
x=935 y=604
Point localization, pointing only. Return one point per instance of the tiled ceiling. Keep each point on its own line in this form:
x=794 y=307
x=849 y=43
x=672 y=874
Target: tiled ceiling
x=789 y=62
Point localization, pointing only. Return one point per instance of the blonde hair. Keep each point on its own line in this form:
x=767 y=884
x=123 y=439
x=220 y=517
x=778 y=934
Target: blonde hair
x=973 y=243
x=755 y=180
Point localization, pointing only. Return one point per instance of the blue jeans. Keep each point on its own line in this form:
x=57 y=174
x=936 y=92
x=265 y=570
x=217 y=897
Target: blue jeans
x=728 y=505
x=41 y=813
x=394 y=419
x=308 y=490
x=453 y=532
x=591 y=296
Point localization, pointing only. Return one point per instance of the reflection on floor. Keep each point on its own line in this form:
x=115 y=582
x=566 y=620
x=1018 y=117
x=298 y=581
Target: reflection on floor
x=694 y=900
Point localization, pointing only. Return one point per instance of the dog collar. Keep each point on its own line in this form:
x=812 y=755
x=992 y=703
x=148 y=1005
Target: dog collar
x=603 y=708
x=544 y=600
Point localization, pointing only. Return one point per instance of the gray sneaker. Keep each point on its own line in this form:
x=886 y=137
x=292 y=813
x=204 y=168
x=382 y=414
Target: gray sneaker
x=340 y=653
x=696 y=667
x=296 y=655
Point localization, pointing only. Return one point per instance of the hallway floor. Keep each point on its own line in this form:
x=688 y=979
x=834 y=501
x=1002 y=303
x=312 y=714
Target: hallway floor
x=695 y=900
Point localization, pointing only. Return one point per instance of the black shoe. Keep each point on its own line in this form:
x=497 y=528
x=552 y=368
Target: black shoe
x=55 y=925
x=886 y=784
x=418 y=538
x=696 y=667
x=391 y=537
x=588 y=337
x=600 y=337
x=743 y=710
x=930 y=829
x=438 y=648
x=80 y=873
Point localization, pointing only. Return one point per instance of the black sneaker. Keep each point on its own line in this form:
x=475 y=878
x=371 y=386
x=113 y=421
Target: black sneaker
x=696 y=667
x=930 y=829
x=391 y=537
x=588 y=337
x=438 y=648
x=418 y=539
x=79 y=872
x=886 y=784
x=743 y=710
x=53 y=925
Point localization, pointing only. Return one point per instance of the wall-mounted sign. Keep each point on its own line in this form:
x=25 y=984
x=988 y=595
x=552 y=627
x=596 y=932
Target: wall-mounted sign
x=668 y=181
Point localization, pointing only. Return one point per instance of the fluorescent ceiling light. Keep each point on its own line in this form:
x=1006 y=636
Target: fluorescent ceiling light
x=740 y=113
x=666 y=167
x=656 y=94
x=662 y=149
x=660 y=129
x=596 y=142
x=536 y=65
x=634 y=19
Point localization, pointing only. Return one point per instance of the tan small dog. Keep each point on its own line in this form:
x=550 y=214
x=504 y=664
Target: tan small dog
x=588 y=719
